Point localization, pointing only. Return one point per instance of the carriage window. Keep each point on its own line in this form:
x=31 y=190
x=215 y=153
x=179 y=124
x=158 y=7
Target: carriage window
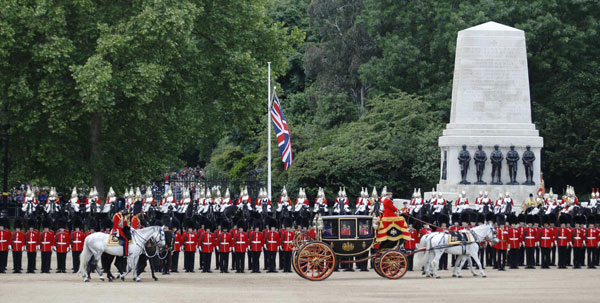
x=330 y=229
x=347 y=229
x=364 y=228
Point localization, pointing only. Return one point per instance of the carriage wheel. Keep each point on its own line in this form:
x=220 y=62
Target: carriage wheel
x=376 y=261
x=316 y=261
x=295 y=263
x=393 y=264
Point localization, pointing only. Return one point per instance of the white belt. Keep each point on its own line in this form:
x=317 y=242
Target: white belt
x=272 y=241
x=512 y=239
x=591 y=237
x=545 y=237
x=529 y=237
x=206 y=242
x=240 y=242
x=562 y=237
x=17 y=241
x=45 y=242
x=256 y=241
x=576 y=237
x=2 y=240
x=189 y=242
x=61 y=243
x=76 y=241
x=288 y=241
x=31 y=242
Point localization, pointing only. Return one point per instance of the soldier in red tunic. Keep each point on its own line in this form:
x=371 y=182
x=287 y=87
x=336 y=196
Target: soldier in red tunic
x=120 y=226
x=514 y=242
x=272 y=243
x=207 y=244
x=63 y=246
x=18 y=245
x=502 y=244
x=411 y=243
x=591 y=241
x=531 y=239
x=256 y=245
x=32 y=240
x=5 y=239
x=287 y=244
x=77 y=240
x=47 y=245
x=547 y=240
x=177 y=245
x=578 y=242
x=240 y=246
x=563 y=240
x=224 y=243
x=190 y=240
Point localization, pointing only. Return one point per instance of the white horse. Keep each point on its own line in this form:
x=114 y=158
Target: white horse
x=436 y=244
x=96 y=244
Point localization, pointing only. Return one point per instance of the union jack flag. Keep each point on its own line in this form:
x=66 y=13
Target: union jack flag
x=282 y=132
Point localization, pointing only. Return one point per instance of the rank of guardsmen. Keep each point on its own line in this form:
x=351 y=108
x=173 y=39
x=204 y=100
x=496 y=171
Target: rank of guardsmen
x=234 y=233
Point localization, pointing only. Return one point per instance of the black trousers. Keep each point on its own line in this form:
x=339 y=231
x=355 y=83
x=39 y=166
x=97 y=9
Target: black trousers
x=188 y=260
x=3 y=260
x=218 y=259
x=522 y=256
x=530 y=252
x=513 y=258
x=46 y=261
x=364 y=264
x=239 y=261
x=175 y=262
x=347 y=266
x=281 y=260
x=545 y=257
x=409 y=260
x=200 y=260
x=578 y=257
x=254 y=260
x=287 y=261
x=591 y=256
x=17 y=256
x=233 y=262
x=490 y=256
x=569 y=250
x=501 y=258
x=61 y=261
x=75 y=256
x=224 y=260
x=264 y=259
x=166 y=264
x=562 y=256
x=206 y=261
x=553 y=256
x=537 y=256
x=249 y=263
x=31 y=262
x=271 y=256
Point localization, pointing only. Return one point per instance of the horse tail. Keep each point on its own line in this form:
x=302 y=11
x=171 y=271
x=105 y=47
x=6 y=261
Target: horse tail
x=83 y=258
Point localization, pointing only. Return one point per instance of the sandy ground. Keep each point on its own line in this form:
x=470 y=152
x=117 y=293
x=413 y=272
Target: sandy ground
x=548 y=285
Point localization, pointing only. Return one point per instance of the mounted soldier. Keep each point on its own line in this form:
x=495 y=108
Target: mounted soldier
x=375 y=206
x=244 y=201
x=263 y=204
x=320 y=202
x=74 y=200
x=121 y=226
x=462 y=203
x=169 y=203
x=341 y=204
x=226 y=202
x=301 y=201
x=185 y=201
x=217 y=202
x=109 y=202
x=417 y=202
x=52 y=203
x=284 y=201
x=30 y=203
x=148 y=200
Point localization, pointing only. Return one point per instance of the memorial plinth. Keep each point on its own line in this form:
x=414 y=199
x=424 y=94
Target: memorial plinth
x=490 y=106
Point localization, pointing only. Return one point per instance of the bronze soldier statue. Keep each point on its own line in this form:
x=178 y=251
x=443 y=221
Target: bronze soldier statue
x=464 y=157
x=528 y=159
x=512 y=159
x=480 y=158
x=496 y=158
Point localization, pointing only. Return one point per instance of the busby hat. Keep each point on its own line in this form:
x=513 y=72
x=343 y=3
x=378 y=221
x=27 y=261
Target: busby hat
x=4 y=222
x=175 y=223
x=569 y=219
x=225 y=224
x=241 y=224
x=166 y=221
x=591 y=219
x=551 y=219
x=77 y=223
x=18 y=222
x=464 y=217
x=480 y=218
x=500 y=219
x=137 y=207
x=120 y=204
x=521 y=218
x=287 y=222
x=455 y=218
x=91 y=224
x=529 y=219
x=189 y=223
x=489 y=216
x=579 y=220
x=511 y=219
x=426 y=219
x=271 y=222
x=563 y=219
x=61 y=223
x=32 y=223
x=47 y=223
x=443 y=219
x=545 y=219
x=208 y=225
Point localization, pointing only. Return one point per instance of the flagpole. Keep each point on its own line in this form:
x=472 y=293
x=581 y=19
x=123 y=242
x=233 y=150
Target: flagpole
x=269 y=132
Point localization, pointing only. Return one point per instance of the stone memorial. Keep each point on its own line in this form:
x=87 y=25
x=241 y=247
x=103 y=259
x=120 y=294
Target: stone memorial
x=490 y=106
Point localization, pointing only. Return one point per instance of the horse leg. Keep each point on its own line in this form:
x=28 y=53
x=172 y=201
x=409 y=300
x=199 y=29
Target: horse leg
x=456 y=264
x=471 y=267
x=480 y=267
x=435 y=262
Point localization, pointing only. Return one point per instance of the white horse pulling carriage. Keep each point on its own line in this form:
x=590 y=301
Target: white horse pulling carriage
x=97 y=243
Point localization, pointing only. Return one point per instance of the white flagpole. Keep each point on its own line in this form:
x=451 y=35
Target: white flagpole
x=269 y=132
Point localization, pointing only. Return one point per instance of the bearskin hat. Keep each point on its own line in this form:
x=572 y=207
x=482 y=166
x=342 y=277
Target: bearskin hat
x=455 y=218
x=4 y=222
x=489 y=217
x=464 y=217
x=480 y=218
x=137 y=207
x=189 y=223
x=175 y=223
x=442 y=219
x=551 y=219
x=18 y=223
x=61 y=223
x=225 y=225
x=521 y=218
x=287 y=222
x=91 y=224
x=500 y=219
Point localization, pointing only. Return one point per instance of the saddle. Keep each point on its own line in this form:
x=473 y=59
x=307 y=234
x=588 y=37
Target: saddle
x=114 y=240
x=459 y=237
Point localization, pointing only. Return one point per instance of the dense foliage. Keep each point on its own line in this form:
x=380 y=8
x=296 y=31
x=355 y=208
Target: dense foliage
x=121 y=91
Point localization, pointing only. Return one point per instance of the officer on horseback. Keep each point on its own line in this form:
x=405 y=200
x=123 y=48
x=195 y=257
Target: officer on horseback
x=121 y=226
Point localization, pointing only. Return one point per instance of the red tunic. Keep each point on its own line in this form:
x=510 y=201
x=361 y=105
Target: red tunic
x=46 y=241
x=189 y=241
x=225 y=242
x=241 y=242
x=591 y=238
x=207 y=242
x=391 y=226
x=412 y=242
x=514 y=238
x=578 y=237
x=32 y=240
x=503 y=238
x=531 y=236
x=547 y=237
x=272 y=241
x=77 y=240
x=287 y=243
x=118 y=223
x=63 y=242
x=5 y=239
x=563 y=237
x=18 y=241
x=256 y=240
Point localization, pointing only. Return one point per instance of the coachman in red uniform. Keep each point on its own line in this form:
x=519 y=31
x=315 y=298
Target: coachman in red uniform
x=63 y=243
x=392 y=227
x=5 y=239
x=77 y=240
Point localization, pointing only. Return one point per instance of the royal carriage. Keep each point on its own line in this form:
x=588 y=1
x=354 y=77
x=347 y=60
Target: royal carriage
x=315 y=256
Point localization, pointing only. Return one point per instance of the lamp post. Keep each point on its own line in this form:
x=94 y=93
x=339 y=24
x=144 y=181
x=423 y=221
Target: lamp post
x=5 y=126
